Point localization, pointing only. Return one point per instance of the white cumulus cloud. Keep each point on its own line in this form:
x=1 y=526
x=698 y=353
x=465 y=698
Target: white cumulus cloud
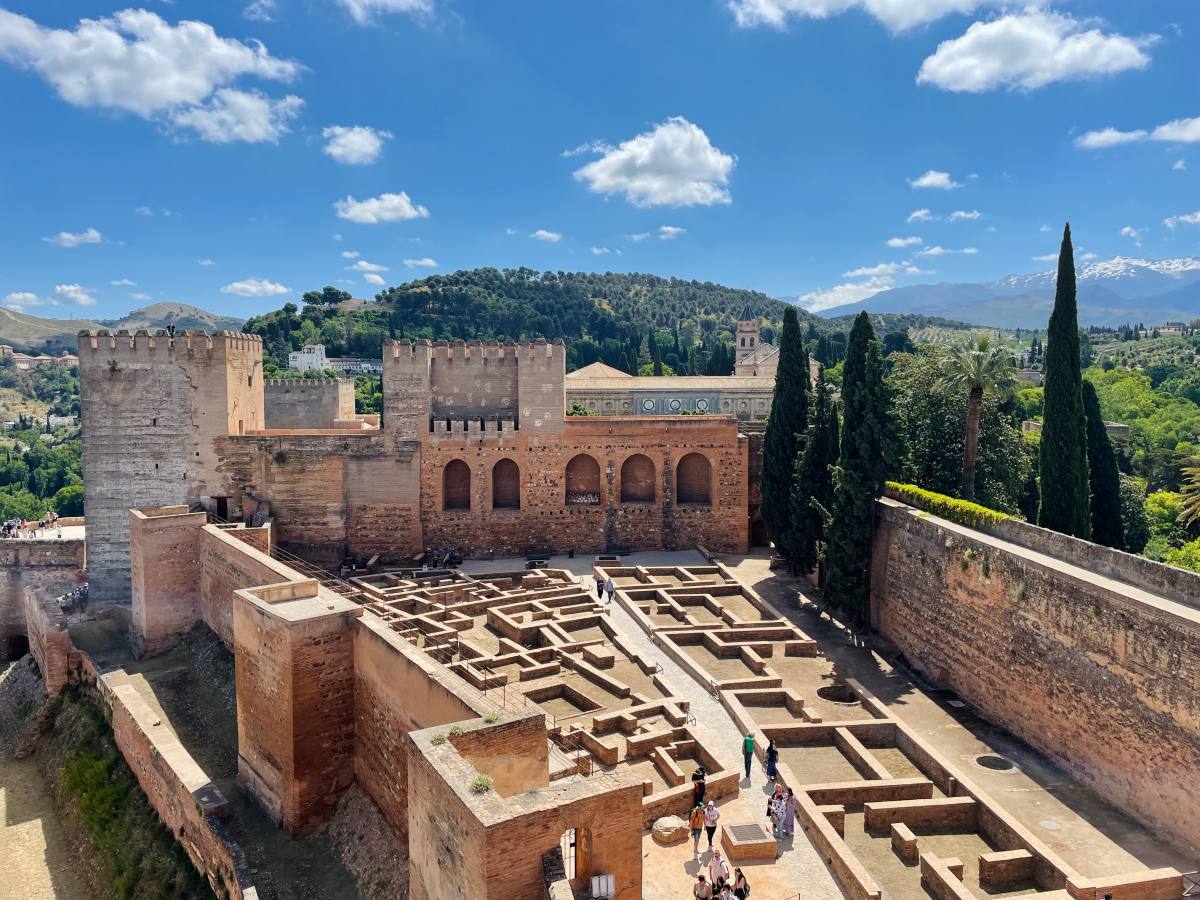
x=350 y=254
x=123 y=282
x=1188 y=219
x=1179 y=166
x=205 y=262
x=139 y=295
x=136 y=62
x=670 y=232
x=901 y=268
x=1134 y=234
x=901 y=242
x=674 y=164
x=75 y=238
x=363 y=266
x=377 y=210
x=18 y=300
x=354 y=145
x=600 y=251
x=255 y=287
x=920 y=215
x=550 y=237
x=851 y=292
x=934 y=179
x=1108 y=137
x=1046 y=257
x=363 y=11
x=1177 y=131
x=372 y=278
x=946 y=251
x=639 y=237
x=896 y=15
x=260 y=11
x=1029 y=50
x=964 y=215
x=73 y=294
x=424 y=262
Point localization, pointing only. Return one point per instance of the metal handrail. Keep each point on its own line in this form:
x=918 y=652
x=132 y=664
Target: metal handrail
x=1191 y=884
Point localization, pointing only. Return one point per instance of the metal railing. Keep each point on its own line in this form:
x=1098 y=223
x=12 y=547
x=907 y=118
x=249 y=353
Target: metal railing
x=1191 y=884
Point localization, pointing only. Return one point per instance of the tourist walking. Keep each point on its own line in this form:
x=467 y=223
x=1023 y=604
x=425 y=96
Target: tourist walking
x=789 y=812
x=696 y=824
x=741 y=887
x=718 y=870
x=775 y=809
x=599 y=589
x=702 y=889
x=609 y=587
x=772 y=754
x=748 y=752
x=711 y=815
x=726 y=892
x=699 y=785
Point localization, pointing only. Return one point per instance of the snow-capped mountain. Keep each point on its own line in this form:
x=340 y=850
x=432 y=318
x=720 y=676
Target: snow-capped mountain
x=1111 y=292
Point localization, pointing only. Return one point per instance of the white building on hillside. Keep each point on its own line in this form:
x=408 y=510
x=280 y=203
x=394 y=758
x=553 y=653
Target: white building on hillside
x=313 y=357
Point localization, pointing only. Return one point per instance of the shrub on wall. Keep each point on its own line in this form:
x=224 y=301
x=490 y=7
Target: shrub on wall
x=962 y=512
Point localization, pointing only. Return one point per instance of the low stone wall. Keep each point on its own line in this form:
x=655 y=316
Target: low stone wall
x=184 y=797
x=1099 y=676
x=32 y=563
x=49 y=642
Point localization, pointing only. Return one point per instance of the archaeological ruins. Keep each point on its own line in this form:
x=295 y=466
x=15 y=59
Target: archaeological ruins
x=1022 y=718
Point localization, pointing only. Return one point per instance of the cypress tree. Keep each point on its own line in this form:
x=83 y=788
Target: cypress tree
x=1064 y=464
x=812 y=486
x=858 y=478
x=785 y=427
x=1107 y=527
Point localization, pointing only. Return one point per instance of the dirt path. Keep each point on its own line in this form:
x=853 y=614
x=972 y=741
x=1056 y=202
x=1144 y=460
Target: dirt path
x=34 y=854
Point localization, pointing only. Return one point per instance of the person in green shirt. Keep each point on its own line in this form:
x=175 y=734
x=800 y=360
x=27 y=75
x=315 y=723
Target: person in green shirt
x=748 y=752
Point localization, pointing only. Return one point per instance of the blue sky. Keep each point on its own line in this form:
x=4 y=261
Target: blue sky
x=234 y=155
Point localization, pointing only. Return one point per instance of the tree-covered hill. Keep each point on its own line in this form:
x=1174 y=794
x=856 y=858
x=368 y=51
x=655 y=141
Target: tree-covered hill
x=625 y=320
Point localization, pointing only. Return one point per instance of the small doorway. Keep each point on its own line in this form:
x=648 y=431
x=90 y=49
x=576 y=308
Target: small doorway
x=568 y=844
x=222 y=508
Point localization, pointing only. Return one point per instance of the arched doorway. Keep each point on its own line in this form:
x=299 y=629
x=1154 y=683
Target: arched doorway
x=456 y=485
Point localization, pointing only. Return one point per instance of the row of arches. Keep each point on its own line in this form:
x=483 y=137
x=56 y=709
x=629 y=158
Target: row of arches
x=639 y=480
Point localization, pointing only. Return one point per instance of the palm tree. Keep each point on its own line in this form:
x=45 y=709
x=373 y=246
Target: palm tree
x=978 y=367
x=1189 y=510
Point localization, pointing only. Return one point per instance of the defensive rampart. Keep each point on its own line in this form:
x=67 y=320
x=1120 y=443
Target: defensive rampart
x=46 y=565
x=1088 y=654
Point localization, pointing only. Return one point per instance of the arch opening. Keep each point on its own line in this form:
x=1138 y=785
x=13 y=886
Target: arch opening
x=583 y=481
x=456 y=485
x=506 y=485
x=693 y=480
x=637 y=479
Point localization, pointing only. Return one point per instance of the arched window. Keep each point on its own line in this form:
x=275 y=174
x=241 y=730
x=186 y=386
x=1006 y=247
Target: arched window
x=693 y=480
x=456 y=485
x=583 y=481
x=506 y=485
x=637 y=480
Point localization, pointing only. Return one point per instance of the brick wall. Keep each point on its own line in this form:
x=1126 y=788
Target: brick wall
x=25 y=564
x=1101 y=681
x=49 y=642
x=308 y=402
x=164 y=562
x=228 y=565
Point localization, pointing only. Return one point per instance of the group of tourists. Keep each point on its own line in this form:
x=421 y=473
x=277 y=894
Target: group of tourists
x=22 y=528
x=605 y=587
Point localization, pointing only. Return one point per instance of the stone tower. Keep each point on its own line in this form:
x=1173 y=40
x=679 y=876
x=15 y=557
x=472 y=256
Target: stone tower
x=748 y=335
x=152 y=408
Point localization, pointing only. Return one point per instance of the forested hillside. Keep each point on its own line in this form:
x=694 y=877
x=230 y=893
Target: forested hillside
x=609 y=317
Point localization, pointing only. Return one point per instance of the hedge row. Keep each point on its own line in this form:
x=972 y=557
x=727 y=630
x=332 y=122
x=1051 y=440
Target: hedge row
x=963 y=512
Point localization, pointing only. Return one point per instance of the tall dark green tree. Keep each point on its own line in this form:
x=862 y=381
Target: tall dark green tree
x=785 y=428
x=1064 y=465
x=1104 y=477
x=812 y=486
x=859 y=475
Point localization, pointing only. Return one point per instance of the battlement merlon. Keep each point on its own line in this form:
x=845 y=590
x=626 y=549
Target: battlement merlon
x=192 y=342
x=307 y=382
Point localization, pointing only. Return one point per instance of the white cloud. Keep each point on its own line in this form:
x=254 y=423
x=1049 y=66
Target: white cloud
x=18 y=300
x=934 y=179
x=136 y=62
x=354 y=145
x=669 y=232
x=363 y=266
x=588 y=147
x=550 y=237
x=639 y=237
x=920 y=215
x=964 y=215
x=672 y=165
x=946 y=251
x=896 y=15
x=511 y=232
x=1188 y=219
x=900 y=242
x=1029 y=50
x=123 y=282
x=423 y=263
x=1177 y=131
x=138 y=295
x=337 y=237
x=73 y=294
x=205 y=262
x=1088 y=257
x=260 y=11
x=991 y=228
x=376 y=210
x=254 y=287
x=144 y=211
x=851 y=292
x=362 y=11
x=74 y=238
x=1180 y=166
x=1134 y=234
x=372 y=278
x=600 y=251
x=1045 y=229
x=1046 y=257
x=234 y=115
x=901 y=268
x=1108 y=137
x=350 y=254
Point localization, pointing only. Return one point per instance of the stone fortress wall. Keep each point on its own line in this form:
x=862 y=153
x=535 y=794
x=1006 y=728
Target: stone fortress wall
x=474 y=453
x=1096 y=666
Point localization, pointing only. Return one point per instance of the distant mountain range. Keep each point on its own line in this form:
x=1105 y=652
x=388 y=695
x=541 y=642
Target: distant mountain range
x=33 y=333
x=1110 y=292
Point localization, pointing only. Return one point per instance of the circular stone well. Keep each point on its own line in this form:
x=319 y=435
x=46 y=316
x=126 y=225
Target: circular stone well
x=838 y=692
x=995 y=763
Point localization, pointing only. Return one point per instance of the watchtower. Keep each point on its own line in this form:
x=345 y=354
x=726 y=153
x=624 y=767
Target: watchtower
x=748 y=336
